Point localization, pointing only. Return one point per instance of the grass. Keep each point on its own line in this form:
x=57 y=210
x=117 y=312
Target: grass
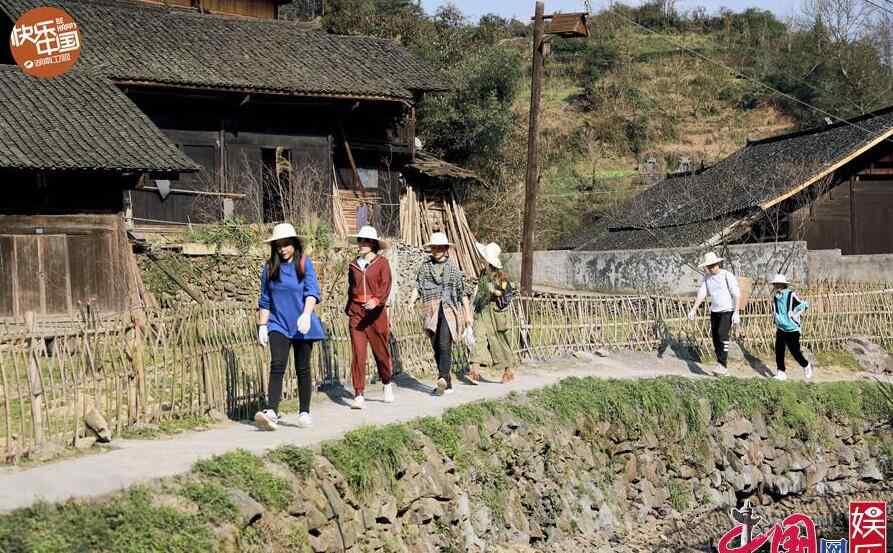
x=241 y=469
x=840 y=359
x=661 y=404
x=298 y=459
x=233 y=231
x=445 y=436
x=369 y=455
x=167 y=428
x=129 y=524
x=212 y=500
x=680 y=496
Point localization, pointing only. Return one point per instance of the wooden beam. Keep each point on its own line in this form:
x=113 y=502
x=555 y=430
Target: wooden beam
x=827 y=171
x=183 y=191
x=186 y=288
x=357 y=183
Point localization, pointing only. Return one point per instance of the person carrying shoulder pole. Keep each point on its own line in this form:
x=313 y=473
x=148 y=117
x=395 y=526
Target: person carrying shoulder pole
x=725 y=296
x=787 y=308
x=368 y=289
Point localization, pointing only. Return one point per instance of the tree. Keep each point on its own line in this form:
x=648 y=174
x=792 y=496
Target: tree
x=474 y=118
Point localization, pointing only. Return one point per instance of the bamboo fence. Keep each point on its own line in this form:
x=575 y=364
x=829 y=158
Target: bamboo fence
x=173 y=363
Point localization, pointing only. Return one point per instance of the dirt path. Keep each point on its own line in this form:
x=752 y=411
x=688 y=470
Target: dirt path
x=136 y=461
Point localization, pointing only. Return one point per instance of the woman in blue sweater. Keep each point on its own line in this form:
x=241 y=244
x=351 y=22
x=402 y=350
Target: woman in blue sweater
x=289 y=292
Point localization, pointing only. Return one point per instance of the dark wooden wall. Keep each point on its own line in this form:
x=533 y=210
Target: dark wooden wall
x=856 y=215
x=50 y=264
x=234 y=138
x=31 y=193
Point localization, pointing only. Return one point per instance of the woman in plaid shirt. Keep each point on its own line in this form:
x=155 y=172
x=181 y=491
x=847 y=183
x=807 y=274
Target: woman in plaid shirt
x=441 y=287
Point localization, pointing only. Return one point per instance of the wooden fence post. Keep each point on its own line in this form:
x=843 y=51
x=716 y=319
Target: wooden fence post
x=34 y=379
x=138 y=318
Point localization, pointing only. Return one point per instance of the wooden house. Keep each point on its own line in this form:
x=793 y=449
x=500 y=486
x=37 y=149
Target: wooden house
x=71 y=149
x=242 y=96
x=830 y=186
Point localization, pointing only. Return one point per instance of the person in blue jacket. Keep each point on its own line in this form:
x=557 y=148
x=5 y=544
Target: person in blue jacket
x=289 y=292
x=787 y=308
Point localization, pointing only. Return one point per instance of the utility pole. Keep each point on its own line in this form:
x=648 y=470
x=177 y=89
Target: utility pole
x=565 y=25
x=532 y=183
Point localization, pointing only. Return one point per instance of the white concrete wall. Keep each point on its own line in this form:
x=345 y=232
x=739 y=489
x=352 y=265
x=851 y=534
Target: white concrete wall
x=665 y=271
x=831 y=265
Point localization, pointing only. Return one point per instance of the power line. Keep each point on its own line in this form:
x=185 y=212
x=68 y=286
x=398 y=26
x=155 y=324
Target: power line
x=742 y=75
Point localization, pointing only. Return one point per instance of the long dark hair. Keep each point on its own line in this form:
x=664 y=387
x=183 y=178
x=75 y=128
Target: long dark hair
x=275 y=261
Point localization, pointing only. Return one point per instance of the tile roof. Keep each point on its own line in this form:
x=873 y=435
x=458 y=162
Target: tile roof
x=686 y=209
x=78 y=122
x=142 y=43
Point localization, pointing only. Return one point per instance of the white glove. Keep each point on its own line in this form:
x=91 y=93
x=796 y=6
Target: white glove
x=736 y=318
x=468 y=336
x=304 y=323
x=263 y=335
x=692 y=314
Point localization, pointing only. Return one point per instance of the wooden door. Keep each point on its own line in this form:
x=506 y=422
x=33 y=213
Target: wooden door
x=7 y=276
x=34 y=275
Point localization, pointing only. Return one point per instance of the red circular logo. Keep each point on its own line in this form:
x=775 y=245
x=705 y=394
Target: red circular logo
x=45 y=42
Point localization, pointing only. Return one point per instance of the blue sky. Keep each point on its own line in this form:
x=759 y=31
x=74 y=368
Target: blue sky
x=524 y=8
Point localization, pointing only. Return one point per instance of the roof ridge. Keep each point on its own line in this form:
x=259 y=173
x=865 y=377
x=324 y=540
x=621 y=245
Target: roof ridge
x=185 y=11
x=124 y=5
x=823 y=128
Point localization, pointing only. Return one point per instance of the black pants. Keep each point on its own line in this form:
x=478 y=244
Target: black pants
x=791 y=341
x=442 y=341
x=720 y=326
x=279 y=346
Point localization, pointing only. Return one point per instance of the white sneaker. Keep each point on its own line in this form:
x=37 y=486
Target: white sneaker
x=780 y=375
x=266 y=419
x=448 y=391
x=389 y=393
x=719 y=370
x=304 y=420
x=807 y=371
x=358 y=402
x=441 y=387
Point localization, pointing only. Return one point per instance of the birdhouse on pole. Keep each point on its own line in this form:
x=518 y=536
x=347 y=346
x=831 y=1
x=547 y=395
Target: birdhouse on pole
x=568 y=25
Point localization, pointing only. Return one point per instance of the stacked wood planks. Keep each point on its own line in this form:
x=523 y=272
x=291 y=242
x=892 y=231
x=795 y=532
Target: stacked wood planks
x=423 y=213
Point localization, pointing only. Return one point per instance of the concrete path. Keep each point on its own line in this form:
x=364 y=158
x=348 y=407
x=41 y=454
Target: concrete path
x=138 y=461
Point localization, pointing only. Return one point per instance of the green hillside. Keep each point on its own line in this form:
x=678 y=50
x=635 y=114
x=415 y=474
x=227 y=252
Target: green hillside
x=649 y=84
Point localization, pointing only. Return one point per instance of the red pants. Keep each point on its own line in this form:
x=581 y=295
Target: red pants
x=372 y=328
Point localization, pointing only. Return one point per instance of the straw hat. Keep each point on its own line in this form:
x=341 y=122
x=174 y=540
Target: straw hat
x=780 y=279
x=281 y=232
x=438 y=239
x=491 y=253
x=710 y=258
x=369 y=233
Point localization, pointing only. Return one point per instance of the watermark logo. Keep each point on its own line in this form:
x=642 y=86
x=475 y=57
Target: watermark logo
x=833 y=546
x=794 y=534
x=45 y=42
x=868 y=527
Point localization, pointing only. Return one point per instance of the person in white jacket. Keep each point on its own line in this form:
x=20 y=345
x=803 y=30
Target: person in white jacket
x=722 y=287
